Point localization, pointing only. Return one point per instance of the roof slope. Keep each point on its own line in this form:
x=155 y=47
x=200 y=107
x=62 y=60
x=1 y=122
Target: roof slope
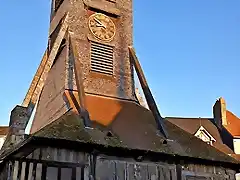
x=132 y=133
x=191 y=125
x=233 y=124
x=4 y=130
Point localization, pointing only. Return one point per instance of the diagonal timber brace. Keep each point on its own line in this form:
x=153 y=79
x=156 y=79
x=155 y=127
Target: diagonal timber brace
x=79 y=82
x=42 y=72
x=147 y=92
x=35 y=80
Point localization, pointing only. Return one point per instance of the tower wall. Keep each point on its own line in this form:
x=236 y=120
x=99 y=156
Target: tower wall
x=120 y=84
x=104 y=63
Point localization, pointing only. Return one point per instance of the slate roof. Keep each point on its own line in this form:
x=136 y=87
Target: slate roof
x=131 y=133
x=136 y=133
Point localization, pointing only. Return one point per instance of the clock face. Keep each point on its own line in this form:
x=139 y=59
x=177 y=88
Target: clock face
x=102 y=27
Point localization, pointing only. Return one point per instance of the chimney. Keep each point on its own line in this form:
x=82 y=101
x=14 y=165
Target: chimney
x=17 y=124
x=219 y=112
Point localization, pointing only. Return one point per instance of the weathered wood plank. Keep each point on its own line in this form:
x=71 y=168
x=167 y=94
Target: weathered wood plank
x=152 y=172
x=38 y=171
x=120 y=170
x=36 y=153
x=30 y=172
x=55 y=154
x=52 y=173
x=70 y=158
x=66 y=173
x=34 y=171
x=81 y=157
x=166 y=173
x=58 y=155
x=15 y=170
x=63 y=155
x=161 y=173
x=23 y=171
x=173 y=174
x=105 y=169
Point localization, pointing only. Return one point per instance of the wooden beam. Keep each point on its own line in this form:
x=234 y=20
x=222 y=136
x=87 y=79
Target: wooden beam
x=81 y=108
x=35 y=80
x=147 y=92
x=78 y=73
x=41 y=75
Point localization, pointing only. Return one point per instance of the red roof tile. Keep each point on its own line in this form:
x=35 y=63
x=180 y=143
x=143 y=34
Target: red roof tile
x=233 y=124
x=4 y=130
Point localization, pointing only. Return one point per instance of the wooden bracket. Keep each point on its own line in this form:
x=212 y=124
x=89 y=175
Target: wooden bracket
x=42 y=72
x=147 y=92
x=81 y=107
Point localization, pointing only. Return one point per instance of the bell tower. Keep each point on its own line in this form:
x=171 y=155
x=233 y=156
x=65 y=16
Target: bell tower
x=101 y=31
x=88 y=68
x=97 y=34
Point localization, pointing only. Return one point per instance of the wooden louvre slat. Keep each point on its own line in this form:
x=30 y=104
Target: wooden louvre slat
x=101 y=58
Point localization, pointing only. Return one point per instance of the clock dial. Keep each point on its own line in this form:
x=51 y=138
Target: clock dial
x=102 y=27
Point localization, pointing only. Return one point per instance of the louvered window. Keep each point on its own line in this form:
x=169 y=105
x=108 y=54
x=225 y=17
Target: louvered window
x=101 y=58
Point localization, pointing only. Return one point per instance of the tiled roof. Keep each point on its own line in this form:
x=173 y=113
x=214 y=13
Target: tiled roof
x=191 y=125
x=4 y=130
x=233 y=124
x=128 y=132
x=138 y=133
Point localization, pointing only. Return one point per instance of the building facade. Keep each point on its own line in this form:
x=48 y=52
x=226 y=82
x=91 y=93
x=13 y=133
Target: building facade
x=89 y=124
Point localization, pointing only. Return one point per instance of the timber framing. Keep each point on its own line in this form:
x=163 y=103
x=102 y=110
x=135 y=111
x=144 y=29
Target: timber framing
x=147 y=92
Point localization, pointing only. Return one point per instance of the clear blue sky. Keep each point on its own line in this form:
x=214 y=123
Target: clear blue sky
x=189 y=50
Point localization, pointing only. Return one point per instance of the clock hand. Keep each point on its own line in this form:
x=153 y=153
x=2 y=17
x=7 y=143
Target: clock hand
x=99 y=22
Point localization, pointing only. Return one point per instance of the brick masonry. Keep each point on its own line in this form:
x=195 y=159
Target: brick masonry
x=61 y=75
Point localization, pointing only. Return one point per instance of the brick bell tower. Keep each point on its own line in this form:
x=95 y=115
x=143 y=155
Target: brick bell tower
x=97 y=34
x=87 y=66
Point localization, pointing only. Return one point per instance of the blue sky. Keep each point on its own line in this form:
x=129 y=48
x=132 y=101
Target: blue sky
x=189 y=50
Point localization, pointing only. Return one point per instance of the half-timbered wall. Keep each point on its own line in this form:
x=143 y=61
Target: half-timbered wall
x=206 y=172
x=27 y=170
x=63 y=164
x=4 y=171
x=128 y=169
